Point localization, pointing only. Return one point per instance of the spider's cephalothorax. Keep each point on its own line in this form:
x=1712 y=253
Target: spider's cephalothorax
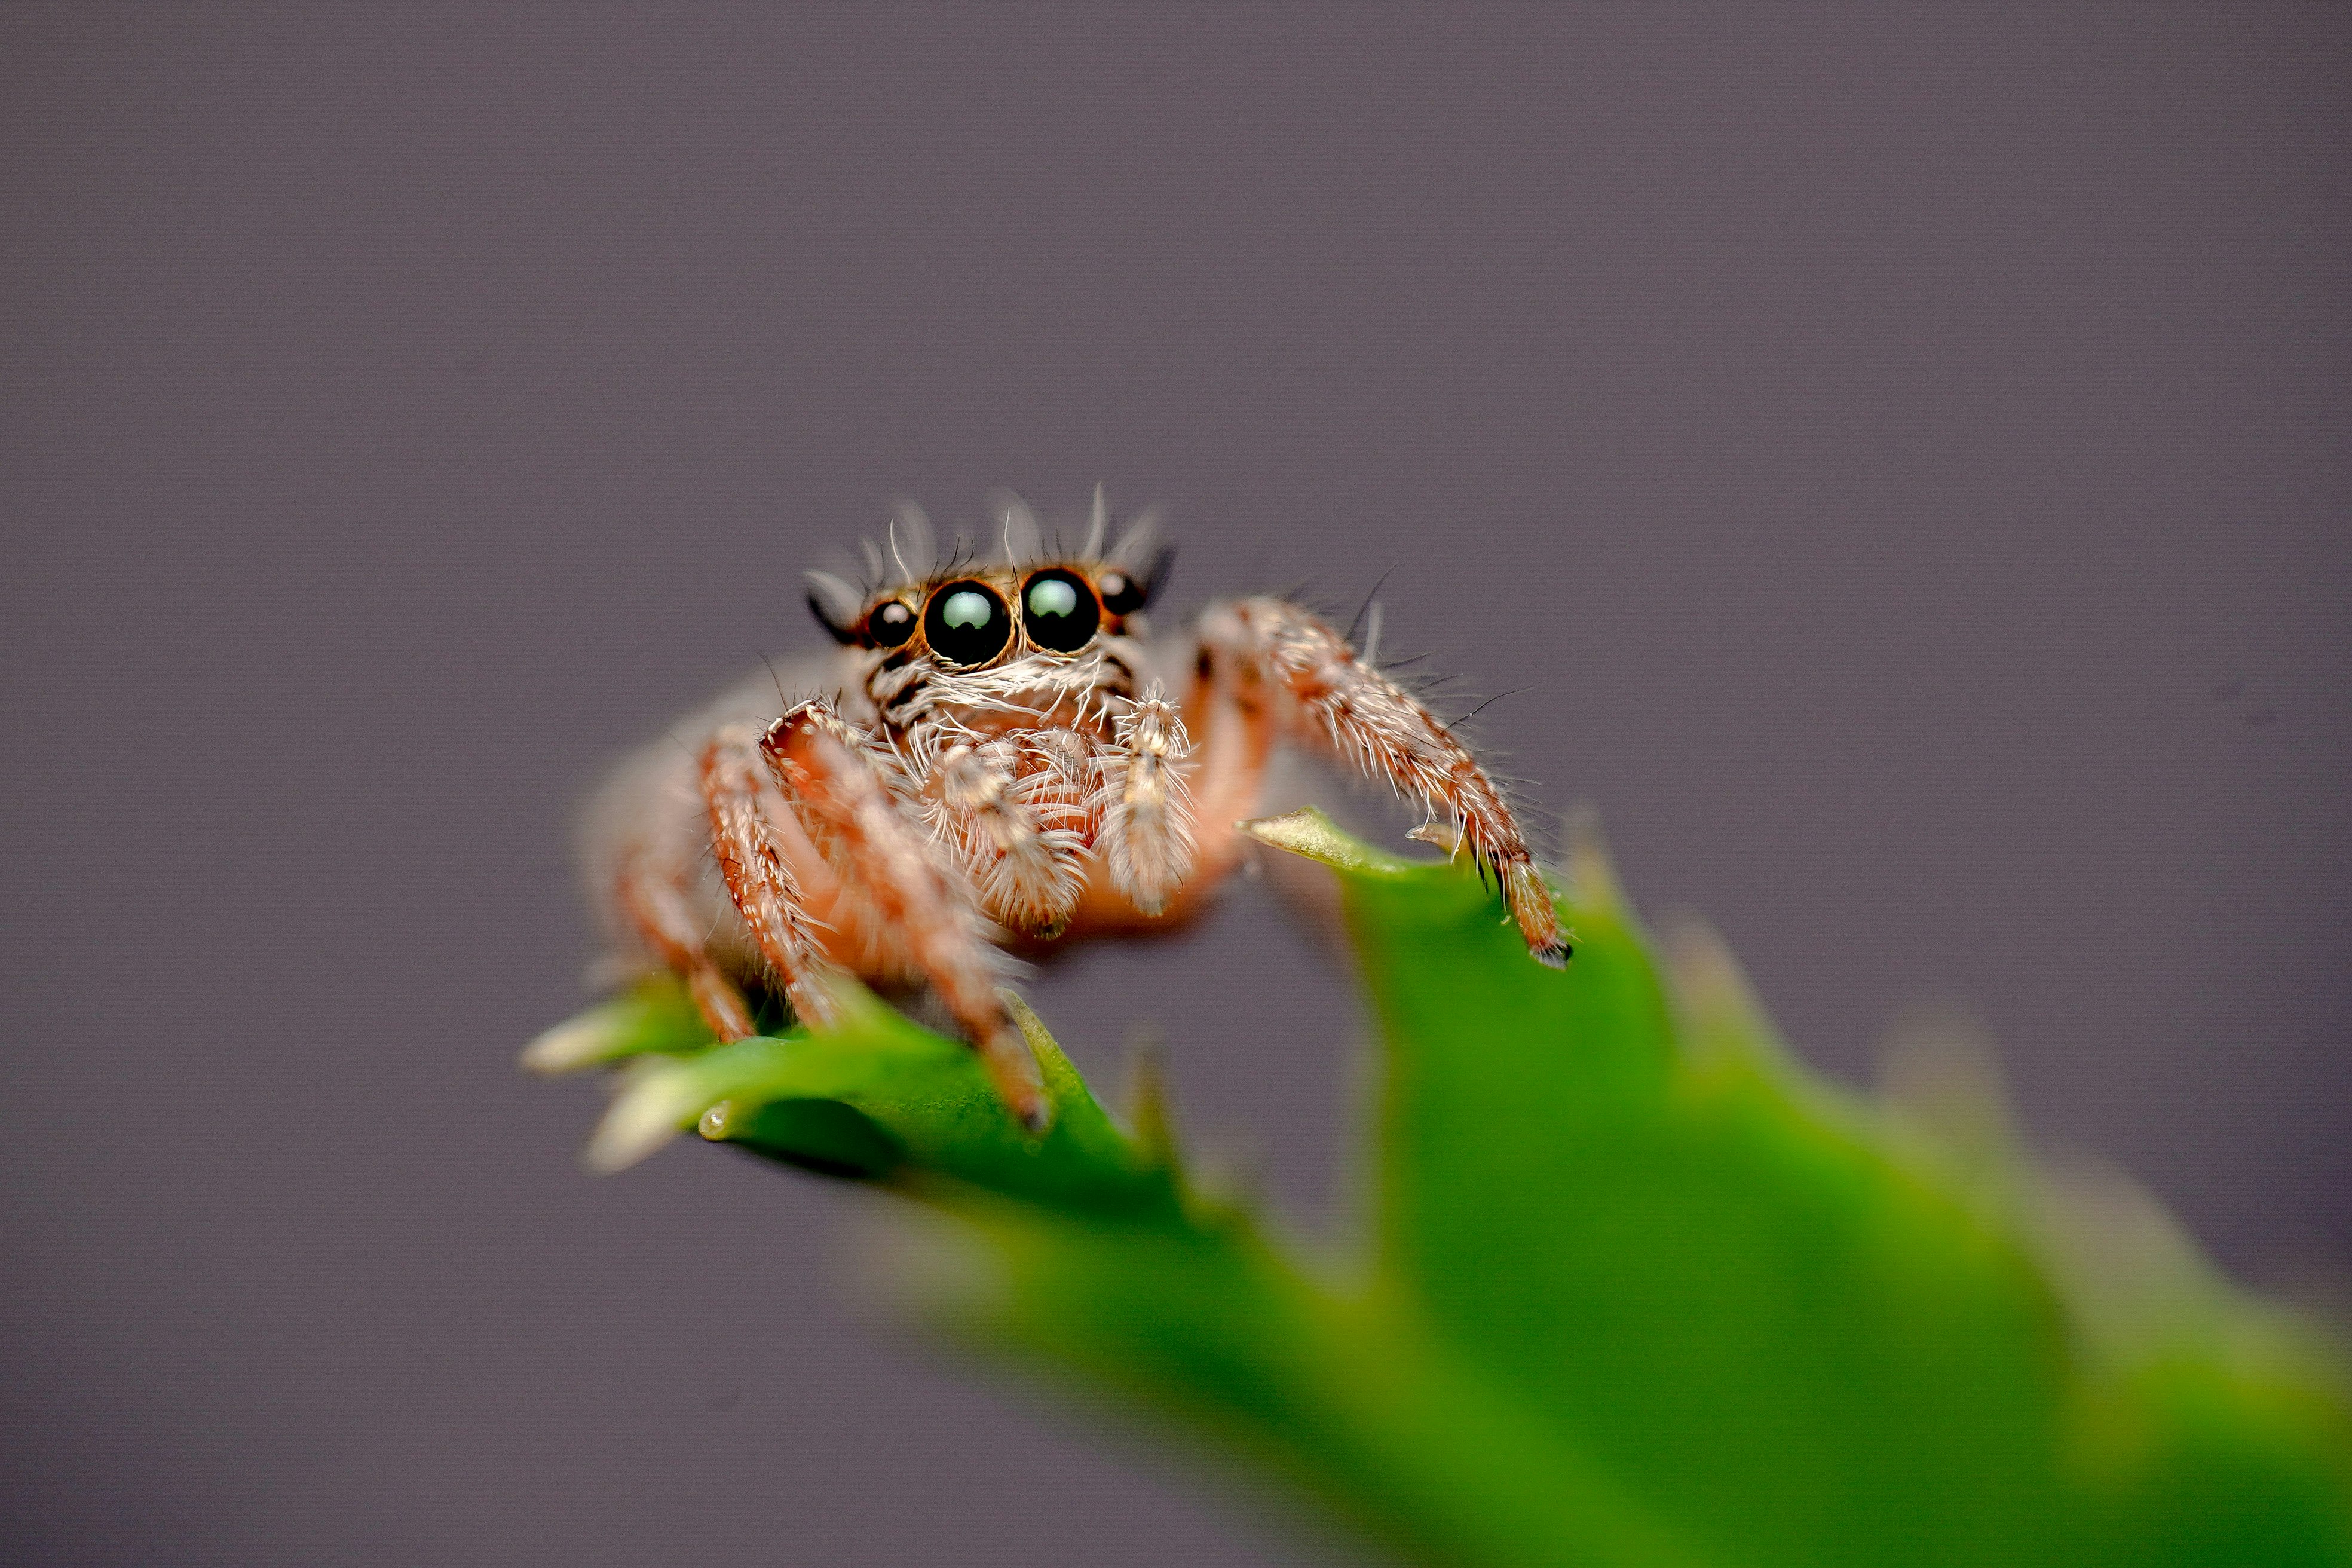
x=989 y=752
x=1017 y=718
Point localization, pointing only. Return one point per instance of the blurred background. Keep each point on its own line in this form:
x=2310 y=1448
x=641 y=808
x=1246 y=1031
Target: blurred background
x=1903 y=454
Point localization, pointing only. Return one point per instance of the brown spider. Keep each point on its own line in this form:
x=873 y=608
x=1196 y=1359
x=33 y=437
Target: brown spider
x=988 y=754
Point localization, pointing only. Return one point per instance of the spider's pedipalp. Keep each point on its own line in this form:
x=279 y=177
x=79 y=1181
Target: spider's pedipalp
x=1144 y=804
x=985 y=809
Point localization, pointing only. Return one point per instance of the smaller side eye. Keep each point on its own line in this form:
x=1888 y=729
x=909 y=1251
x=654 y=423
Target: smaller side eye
x=890 y=624
x=1124 y=593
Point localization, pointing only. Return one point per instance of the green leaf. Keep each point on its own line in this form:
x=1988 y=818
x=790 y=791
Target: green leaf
x=1637 y=1289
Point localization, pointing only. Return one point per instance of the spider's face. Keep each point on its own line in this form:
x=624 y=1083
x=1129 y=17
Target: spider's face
x=981 y=645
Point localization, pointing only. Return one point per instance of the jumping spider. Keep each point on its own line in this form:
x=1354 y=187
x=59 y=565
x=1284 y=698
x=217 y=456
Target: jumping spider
x=989 y=754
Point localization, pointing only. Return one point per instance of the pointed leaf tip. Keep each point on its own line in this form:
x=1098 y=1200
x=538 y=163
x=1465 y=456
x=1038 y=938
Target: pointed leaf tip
x=1706 y=974
x=1054 y=1069
x=1591 y=874
x=1148 y=1121
x=577 y=1043
x=1309 y=832
x=652 y=1018
x=1722 y=1015
x=654 y=1108
x=1940 y=1069
x=1445 y=836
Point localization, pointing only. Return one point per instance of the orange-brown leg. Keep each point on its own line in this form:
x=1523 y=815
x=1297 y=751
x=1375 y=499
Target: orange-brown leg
x=759 y=875
x=1287 y=667
x=823 y=767
x=1228 y=719
x=654 y=899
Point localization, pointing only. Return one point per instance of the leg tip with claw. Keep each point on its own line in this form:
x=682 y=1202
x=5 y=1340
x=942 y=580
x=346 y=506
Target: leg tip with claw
x=1528 y=898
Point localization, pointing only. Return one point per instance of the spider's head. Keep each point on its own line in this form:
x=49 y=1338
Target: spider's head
x=962 y=618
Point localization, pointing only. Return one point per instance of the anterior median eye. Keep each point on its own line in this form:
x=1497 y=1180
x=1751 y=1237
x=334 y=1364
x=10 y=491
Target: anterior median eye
x=966 y=622
x=1059 y=611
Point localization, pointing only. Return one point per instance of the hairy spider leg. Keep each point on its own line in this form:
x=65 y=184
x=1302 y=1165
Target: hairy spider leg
x=826 y=773
x=652 y=898
x=1286 y=668
x=757 y=871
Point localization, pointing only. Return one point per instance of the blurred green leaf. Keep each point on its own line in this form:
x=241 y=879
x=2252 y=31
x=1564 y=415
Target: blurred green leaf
x=1637 y=1290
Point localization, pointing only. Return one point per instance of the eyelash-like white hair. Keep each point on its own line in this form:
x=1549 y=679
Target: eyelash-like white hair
x=907 y=553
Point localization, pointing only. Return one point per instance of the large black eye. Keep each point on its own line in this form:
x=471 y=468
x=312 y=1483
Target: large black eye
x=890 y=624
x=1059 y=610
x=966 y=622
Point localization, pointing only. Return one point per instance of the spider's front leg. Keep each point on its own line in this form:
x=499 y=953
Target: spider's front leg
x=823 y=766
x=758 y=872
x=1286 y=667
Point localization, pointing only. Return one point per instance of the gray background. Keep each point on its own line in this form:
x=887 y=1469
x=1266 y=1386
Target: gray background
x=1906 y=453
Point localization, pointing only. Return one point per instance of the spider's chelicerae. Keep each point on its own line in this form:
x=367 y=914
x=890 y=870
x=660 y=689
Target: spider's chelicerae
x=991 y=752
